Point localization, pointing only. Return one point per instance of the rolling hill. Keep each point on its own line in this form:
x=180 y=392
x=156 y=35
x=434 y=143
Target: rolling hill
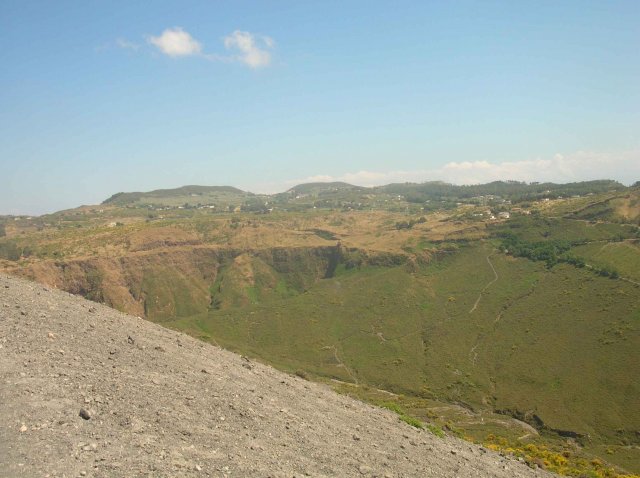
x=190 y=195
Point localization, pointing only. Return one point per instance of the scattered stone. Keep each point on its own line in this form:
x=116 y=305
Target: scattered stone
x=84 y=414
x=22 y=312
x=92 y=309
x=365 y=470
x=23 y=428
x=131 y=340
x=356 y=437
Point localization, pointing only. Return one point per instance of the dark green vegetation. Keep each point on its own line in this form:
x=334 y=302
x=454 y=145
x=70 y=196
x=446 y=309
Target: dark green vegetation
x=525 y=330
x=551 y=240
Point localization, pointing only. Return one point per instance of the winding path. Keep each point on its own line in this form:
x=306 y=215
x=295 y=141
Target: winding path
x=486 y=286
x=342 y=364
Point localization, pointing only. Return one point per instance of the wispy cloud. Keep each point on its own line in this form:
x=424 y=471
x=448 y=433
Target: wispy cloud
x=578 y=166
x=127 y=45
x=254 y=49
x=176 y=42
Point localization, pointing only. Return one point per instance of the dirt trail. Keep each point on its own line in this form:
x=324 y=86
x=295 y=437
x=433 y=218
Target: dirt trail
x=343 y=365
x=159 y=403
x=473 y=355
x=486 y=286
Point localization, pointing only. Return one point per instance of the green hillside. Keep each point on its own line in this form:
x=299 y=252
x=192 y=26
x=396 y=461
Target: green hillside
x=556 y=348
x=190 y=195
x=534 y=341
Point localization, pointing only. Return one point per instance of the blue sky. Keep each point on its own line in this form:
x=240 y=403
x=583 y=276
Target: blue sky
x=106 y=96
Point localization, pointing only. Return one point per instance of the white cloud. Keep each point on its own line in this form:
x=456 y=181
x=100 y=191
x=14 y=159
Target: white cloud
x=127 y=45
x=250 y=49
x=578 y=166
x=253 y=49
x=176 y=42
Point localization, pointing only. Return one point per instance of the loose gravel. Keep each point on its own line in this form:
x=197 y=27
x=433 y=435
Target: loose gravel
x=88 y=391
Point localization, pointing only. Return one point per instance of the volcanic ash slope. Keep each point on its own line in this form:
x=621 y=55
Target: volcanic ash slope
x=159 y=403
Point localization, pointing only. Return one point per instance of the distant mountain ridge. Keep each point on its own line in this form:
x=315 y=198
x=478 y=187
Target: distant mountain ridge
x=430 y=188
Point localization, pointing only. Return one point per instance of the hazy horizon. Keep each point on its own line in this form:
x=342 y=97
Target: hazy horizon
x=114 y=97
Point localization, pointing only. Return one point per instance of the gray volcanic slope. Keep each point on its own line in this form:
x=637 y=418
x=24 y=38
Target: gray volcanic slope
x=160 y=403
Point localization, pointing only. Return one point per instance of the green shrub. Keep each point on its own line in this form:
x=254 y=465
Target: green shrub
x=414 y=422
x=436 y=430
x=394 y=407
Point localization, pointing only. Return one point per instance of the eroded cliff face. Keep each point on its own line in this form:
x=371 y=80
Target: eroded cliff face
x=184 y=281
x=151 y=284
